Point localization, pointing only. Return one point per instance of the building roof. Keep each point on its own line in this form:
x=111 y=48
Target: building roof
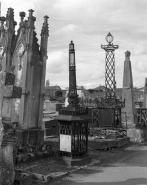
x=100 y=88
x=56 y=87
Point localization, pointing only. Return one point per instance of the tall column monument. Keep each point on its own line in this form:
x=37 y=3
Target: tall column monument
x=127 y=91
x=145 y=94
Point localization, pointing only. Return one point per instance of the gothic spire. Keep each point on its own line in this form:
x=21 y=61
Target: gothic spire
x=31 y=19
x=45 y=30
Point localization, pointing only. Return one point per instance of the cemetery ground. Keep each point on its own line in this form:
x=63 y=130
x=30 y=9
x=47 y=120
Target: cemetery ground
x=125 y=165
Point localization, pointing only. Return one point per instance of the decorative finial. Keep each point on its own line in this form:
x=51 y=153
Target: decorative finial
x=127 y=54
x=31 y=12
x=2 y=19
x=109 y=38
x=22 y=15
x=71 y=45
x=14 y=23
x=44 y=30
x=46 y=18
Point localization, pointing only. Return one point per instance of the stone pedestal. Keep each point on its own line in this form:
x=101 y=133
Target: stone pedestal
x=7 y=166
x=137 y=134
x=130 y=121
x=29 y=137
x=80 y=161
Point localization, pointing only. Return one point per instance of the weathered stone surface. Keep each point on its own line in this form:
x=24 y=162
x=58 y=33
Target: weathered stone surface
x=32 y=137
x=127 y=91
x=103 y=144
x=40 y=137
x=22 y=78
x=7 y=171
x=22 y=137
x=123 y=141
x=29 y=136
x=145 y=94
x=27 y=153
x=137 y=134
x=12 y=91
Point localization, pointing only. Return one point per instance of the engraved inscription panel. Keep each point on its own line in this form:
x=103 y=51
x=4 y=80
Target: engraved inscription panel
x=65 y=143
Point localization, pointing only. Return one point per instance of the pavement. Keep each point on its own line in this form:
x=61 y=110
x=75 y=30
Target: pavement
x=128 y=167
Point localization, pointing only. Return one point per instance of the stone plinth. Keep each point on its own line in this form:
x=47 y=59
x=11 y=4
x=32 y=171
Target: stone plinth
x=137 y=134
x=7 y=173
x=29 y=136
x=80 y=161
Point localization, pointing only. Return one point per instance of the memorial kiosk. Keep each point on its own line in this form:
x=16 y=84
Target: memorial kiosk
x=73 y=122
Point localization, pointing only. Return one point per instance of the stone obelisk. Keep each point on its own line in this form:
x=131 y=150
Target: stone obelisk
x=127 y=91
x=145 y=94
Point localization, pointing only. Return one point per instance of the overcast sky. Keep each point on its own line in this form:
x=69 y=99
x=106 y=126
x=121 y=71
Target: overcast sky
x=87 y=22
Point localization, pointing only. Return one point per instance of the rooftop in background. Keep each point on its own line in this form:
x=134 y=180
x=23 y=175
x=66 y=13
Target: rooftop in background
x=56 y=87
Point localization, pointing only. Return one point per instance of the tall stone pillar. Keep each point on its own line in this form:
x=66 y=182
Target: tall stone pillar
x=127 y=91
x=43 y=51
x=22 y=80
x=145 y=94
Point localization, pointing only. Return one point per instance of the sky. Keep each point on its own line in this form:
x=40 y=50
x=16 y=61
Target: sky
x=87 y=22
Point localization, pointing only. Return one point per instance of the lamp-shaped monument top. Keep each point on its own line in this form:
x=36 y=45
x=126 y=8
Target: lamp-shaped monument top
x=109 y=38
x=71 y=54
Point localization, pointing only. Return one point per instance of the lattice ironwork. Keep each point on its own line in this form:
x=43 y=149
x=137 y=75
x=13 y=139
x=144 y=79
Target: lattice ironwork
x=104 y=119
x=109 y=102
x=95 y=117
x=142 y=117
x=73 y=119
x=65 y=128
x=110 y=83
x=73 y=111
x=79 y=132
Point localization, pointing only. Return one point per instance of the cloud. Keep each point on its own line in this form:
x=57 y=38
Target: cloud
x=69 y=29
x=87 y=22
x=57 y=62
x=140 y=66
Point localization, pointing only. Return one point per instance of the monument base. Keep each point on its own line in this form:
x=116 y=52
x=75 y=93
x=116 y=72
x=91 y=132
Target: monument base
x=69 y=161
x=29 y=136
x=129 y=121
x=7 y=173
x=137 y=134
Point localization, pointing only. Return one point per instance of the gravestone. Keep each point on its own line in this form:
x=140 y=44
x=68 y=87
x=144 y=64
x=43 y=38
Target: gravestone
x=127 y=91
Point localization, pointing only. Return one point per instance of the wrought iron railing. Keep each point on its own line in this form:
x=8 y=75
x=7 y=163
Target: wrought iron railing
x=109 y=102
x=142 y=117
x=79 y=138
